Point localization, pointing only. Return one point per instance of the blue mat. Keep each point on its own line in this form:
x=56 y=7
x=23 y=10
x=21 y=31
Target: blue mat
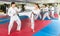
x=5 y=20
x=53 y=29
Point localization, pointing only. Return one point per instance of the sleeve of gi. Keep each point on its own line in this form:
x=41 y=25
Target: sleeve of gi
x=9 y=12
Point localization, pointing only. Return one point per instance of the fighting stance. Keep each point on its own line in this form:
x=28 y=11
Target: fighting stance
x=52 y=11
x=12 y=12
x=46 y=12
x=35 y=14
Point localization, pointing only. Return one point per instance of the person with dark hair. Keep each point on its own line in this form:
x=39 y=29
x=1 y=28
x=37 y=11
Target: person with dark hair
x=12 y=12
x=35 y=14
x=52 y=11
x=37 y=5
x=37 y=10
x=46 y=12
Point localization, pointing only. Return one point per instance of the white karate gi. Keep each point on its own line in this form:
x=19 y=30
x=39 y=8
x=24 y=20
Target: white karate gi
x=12 y=12
x=37 y=12
x=52 y=11
x=46 y=13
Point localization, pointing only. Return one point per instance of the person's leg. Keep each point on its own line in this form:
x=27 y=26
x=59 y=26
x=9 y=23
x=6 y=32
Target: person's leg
x=40 y=16
x=10 y=25
x=48 y=16
x=52 y=14
x=44 y=16
x=32 y=22
x=18 y=21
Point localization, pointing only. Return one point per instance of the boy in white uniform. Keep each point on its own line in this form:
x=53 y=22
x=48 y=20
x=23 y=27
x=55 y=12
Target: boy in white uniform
x=52 y=11
x=12 y=12
x=46 y=12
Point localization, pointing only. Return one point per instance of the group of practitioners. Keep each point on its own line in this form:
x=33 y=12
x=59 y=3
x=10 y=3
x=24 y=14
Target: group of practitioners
x=37 y=11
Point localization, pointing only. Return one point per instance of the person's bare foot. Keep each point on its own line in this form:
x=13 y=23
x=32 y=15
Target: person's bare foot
x=8 y=34
x=33 y=30
x=18 y=30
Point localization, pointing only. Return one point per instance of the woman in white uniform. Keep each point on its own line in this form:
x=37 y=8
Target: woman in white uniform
x=35 y=11
x=46 y=12
x=12 y=12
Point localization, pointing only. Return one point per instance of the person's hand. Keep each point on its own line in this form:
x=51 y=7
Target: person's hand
x=33 y=13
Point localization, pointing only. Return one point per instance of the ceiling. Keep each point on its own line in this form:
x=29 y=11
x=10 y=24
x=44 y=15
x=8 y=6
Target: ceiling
x=37 y=1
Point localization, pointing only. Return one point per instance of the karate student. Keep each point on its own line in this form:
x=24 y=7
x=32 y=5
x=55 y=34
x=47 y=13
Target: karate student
x=37 y=11
x=35 y=14
x=46 y=12
x=52 y=11
x=12 y=12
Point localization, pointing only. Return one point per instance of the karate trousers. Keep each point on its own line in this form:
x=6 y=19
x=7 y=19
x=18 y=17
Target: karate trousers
x=17 y=20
